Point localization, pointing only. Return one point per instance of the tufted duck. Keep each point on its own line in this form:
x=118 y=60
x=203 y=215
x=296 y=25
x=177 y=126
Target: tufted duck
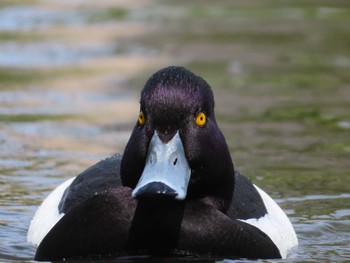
x=174 y=192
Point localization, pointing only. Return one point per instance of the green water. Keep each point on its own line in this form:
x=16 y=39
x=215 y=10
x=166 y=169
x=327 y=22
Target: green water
x=71 y=73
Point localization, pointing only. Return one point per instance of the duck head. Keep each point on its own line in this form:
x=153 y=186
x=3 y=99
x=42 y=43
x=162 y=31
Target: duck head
x=176 y=148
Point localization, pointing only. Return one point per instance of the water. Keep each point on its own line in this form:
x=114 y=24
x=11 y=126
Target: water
x=71 y=72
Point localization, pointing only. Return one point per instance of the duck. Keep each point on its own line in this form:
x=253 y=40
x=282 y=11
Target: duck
x=174 y=192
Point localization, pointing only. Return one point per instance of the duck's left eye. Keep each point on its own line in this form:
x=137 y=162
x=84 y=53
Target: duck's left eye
x=141 y=119
x=201 y=119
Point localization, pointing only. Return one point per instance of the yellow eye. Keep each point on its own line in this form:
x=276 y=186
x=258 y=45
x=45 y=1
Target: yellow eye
x=201 y=119
x=141 y=119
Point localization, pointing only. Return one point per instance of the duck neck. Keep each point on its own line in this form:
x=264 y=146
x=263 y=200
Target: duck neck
x=156 y=226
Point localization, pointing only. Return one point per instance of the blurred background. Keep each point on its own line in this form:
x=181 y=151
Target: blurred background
x=71 y=73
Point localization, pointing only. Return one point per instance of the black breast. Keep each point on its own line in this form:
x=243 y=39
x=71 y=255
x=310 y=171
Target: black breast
x=94 y=181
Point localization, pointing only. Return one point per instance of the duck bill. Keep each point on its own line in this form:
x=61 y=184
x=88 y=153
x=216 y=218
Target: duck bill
x=166 y=170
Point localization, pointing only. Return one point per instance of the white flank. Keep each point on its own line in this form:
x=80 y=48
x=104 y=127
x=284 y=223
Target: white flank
x=276 y=225
x=47 y=215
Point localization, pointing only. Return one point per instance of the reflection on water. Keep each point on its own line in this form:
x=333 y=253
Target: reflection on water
x=49 y=53
x=71 y=71
x=22 y=17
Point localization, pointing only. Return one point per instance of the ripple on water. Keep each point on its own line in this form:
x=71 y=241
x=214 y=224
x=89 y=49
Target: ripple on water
x=30 y=101
x=24 y=18
x=13 y=232
x=13 y=54
x=322 y=223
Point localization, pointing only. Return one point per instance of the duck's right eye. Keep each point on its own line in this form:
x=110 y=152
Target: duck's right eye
x=141 y=119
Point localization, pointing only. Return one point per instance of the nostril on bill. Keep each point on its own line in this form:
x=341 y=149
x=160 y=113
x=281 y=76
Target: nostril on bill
x=175 y=161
